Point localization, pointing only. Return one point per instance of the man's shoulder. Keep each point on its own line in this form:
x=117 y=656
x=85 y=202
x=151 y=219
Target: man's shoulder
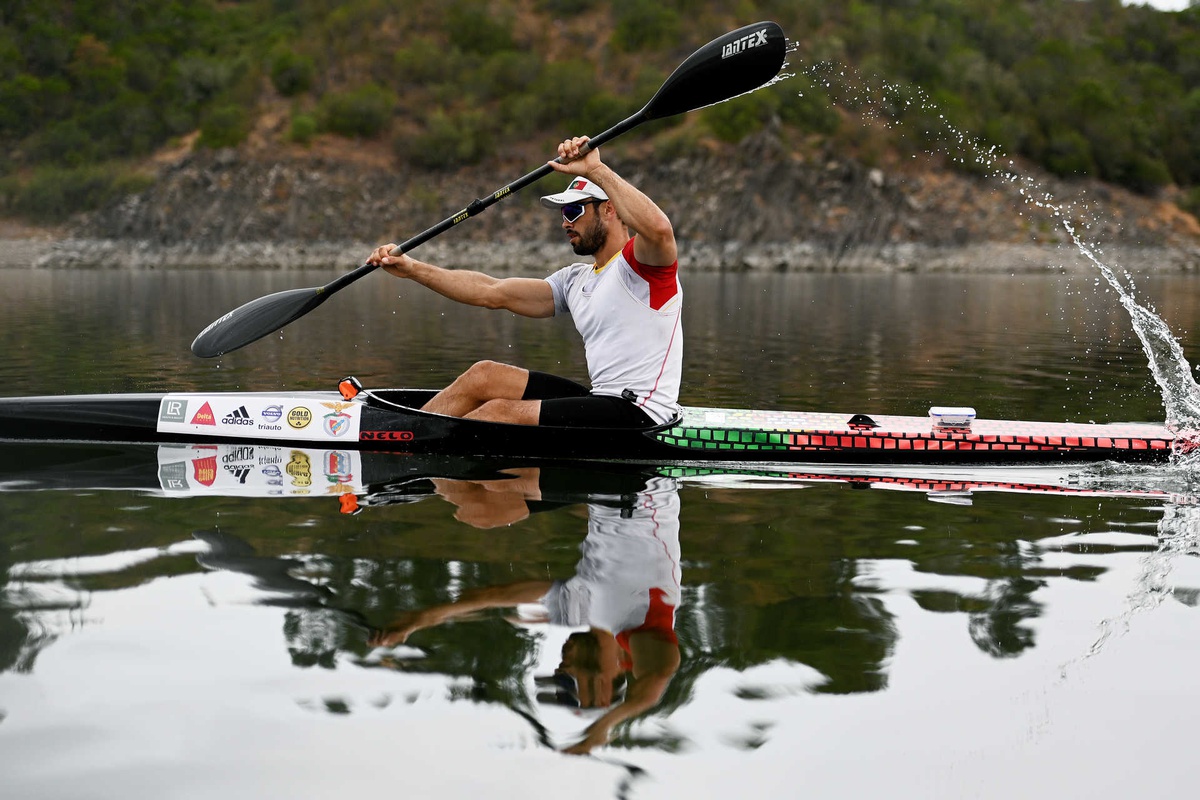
x=561 y=283
x=567 y=274
x=629 y=259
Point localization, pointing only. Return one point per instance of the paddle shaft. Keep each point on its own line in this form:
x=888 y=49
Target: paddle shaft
x=480 y=204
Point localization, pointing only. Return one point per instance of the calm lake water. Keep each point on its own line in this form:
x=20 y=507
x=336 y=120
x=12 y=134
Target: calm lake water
x=837 y=637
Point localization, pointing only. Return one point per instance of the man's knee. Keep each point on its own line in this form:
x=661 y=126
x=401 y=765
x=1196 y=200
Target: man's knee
x=484 y=367
x=492 y=379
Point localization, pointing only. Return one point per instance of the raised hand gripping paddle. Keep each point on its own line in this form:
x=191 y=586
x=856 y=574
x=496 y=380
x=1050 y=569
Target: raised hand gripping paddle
x=730 y=65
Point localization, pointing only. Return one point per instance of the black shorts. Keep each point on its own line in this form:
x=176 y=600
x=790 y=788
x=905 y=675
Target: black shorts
x=566 y=403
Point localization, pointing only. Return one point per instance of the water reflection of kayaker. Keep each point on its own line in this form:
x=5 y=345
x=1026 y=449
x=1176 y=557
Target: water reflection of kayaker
x=625 y=591
x=626 y=305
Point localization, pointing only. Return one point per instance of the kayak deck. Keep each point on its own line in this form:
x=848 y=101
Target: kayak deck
x=728 y=430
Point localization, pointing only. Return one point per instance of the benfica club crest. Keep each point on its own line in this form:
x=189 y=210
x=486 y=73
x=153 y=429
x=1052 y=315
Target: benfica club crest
x=338 y=467
x=337 y=421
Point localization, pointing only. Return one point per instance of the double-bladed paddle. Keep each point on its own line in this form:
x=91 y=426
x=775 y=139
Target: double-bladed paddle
x=730 y=65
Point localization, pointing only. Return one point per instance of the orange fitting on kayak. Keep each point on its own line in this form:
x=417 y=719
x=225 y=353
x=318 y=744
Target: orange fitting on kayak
x=349 y=387
x=349 y=503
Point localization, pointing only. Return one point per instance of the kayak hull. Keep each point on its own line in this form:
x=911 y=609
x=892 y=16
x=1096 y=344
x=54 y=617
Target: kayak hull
x=390 y=420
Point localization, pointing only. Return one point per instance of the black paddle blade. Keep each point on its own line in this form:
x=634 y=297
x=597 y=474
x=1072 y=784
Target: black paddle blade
x=733 y=64
x=256 y=319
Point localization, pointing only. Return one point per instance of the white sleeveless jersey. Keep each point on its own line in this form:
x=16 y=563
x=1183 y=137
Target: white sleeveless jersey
x=629 y=574
x=629 y=316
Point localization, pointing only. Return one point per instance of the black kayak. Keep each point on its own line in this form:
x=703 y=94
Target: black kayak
x=390 y=420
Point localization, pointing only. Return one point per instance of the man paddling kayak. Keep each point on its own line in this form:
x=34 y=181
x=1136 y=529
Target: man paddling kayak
x=626 y=304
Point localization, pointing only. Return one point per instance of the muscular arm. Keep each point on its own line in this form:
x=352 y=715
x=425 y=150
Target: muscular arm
x=655 y=662
x=529 y=297
x=472 y=601
x=655 y=242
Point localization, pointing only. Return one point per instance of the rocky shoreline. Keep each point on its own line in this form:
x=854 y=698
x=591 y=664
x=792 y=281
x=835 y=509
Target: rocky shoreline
x=760 y=210
x=538 y=258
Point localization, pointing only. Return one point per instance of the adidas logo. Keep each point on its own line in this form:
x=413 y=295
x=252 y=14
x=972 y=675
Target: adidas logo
x=239 y=473
x=239 y=417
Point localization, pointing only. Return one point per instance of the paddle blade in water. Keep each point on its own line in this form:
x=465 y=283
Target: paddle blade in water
x=730 y=65
x=255 y=320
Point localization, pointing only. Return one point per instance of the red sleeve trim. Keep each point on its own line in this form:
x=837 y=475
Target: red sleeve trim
x=661 y=280
x=660 y=621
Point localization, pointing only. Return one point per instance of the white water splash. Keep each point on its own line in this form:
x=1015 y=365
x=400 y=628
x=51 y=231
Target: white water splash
x=790 y=47
x=1178 y=536
x=1168 y=364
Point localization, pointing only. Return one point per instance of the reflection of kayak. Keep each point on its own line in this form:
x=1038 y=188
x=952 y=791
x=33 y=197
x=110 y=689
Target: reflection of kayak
x=244 y=469
x=358 y=478
x=953 y=485
x=266 y=471
x=390 y=420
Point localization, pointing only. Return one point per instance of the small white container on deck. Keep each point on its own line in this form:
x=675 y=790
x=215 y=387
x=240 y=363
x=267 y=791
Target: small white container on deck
x=951 y=416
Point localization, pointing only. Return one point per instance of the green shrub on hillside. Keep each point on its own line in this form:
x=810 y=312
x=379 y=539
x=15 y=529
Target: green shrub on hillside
x=420 y=62
x=1190 y=201
x=471 y=27
x=224 y=126
x=28 y=101
x=131 y=124
x=557 y=8
x=683 y=143
x=641 y=25
x=63 y=143
x=564 y=86
x=97 y=74
x=447 y=141
x=807 y=107
x=55 y=193
x=1068 y=152
x=1143 y=173
x=1183 y=132
x=734 y=120
x=200 y=78
x=303 y=128
x=362 y=113
x=504 y=75
x=1009 y=132
x=291 y=73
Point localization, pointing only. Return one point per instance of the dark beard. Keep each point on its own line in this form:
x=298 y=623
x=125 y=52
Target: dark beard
x=592 y=239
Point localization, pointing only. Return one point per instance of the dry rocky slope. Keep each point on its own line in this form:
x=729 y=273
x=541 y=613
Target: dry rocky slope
x=760 y=207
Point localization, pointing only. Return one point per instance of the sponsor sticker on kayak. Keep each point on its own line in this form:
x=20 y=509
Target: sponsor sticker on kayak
x=260 y=416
